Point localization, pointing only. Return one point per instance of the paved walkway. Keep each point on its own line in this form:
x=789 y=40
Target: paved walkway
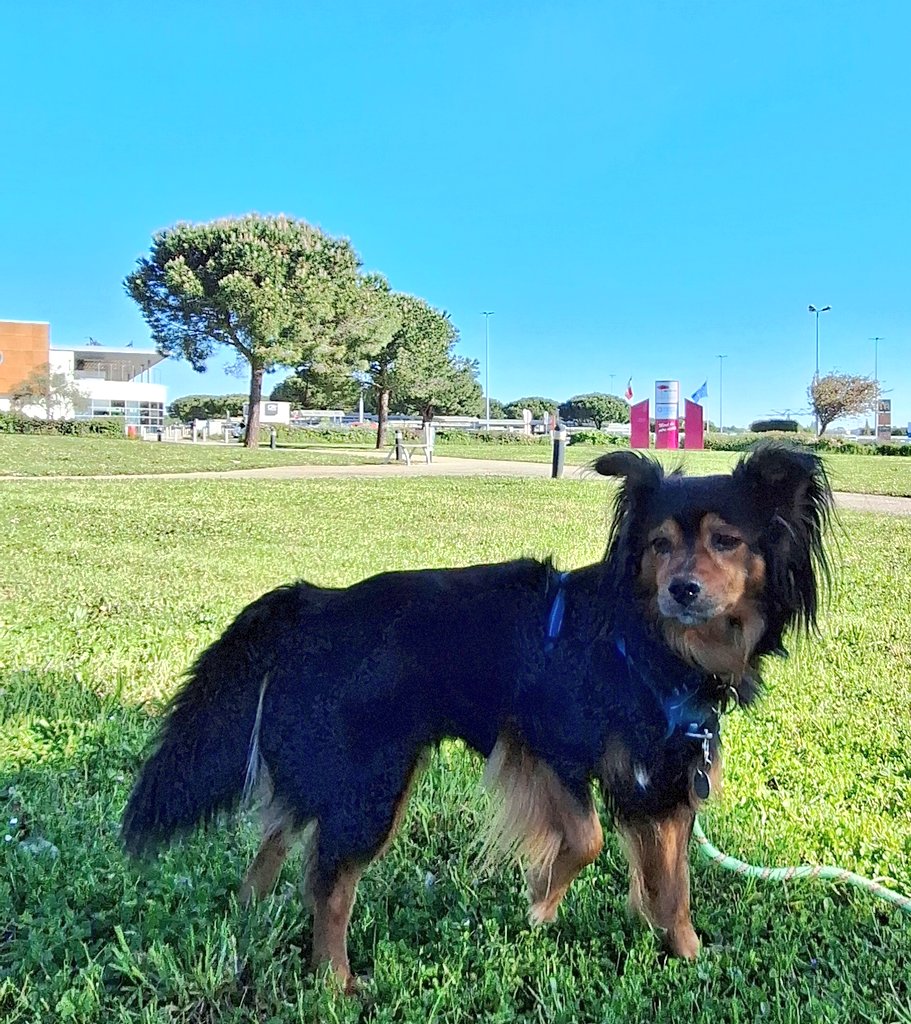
x=444 y=465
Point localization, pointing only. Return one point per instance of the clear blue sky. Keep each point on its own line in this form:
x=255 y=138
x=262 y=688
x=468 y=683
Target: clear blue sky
x=632 y=187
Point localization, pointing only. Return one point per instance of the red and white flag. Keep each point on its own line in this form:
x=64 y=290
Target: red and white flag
x=628 y=394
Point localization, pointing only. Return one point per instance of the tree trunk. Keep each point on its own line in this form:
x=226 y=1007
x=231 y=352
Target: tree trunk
x=382 y=416
x=251 y=438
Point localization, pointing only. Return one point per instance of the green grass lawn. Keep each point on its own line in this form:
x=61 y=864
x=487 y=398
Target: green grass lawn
x=108 y=593
x=861 y=474
x=37 y=455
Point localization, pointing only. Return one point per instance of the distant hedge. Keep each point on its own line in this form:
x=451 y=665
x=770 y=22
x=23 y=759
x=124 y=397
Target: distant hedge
x=102 y=426
x=764 y=426
x=826 y=444
x=598 y=437
x=327 y=434
x=473 y=437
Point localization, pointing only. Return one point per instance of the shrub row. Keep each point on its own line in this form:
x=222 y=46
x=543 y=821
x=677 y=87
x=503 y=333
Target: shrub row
x=16 y=423
x=843 y=445
x=321 y=435
x=597 y=437
x=454 y=436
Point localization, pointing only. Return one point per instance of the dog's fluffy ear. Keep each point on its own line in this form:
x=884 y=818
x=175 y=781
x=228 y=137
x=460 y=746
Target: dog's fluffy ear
x=642 y=478
x=790 y=482
x=790 y=486
x=640 y=472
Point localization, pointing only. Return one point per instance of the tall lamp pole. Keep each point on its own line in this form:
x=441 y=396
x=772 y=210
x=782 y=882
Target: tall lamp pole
x=876 y=342
x=487 y=315
x=817 y=310
x=721 y=393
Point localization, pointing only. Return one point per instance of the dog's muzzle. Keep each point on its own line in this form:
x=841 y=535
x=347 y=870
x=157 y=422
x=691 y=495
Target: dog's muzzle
x=685 y=601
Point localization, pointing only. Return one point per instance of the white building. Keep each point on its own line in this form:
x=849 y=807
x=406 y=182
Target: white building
x=110 y=381
x=114 y=382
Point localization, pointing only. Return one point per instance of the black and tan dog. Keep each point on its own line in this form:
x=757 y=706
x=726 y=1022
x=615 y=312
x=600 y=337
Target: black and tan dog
x=327 y=700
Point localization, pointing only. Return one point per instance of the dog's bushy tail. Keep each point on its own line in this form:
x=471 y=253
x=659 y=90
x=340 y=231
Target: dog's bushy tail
x=208 y=738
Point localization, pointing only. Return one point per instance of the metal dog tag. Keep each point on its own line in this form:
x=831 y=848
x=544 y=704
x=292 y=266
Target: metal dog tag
x=702 y=785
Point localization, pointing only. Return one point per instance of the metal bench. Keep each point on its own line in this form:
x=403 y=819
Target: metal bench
x=403 y=450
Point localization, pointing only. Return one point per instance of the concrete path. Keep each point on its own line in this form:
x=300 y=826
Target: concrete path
x=444 y=465
x=447 y=466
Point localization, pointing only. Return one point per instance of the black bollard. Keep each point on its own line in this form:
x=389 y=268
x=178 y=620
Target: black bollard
x=271 y=437
x=399 y=453
x=556 y=469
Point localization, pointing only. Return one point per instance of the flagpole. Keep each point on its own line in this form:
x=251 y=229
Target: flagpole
x=721 y=394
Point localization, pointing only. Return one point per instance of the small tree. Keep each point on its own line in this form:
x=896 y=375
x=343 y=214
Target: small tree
x=447 y=386
x=540 y=408
x=497 y=408
x=841 y=394
x=597 y=407
x=313 y=387
x=275 y=290
x=204 y=407
x=416 y=365
x=55 y=393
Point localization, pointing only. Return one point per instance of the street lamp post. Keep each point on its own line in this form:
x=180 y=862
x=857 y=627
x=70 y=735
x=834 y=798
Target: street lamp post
x=817 y=310
x=876 y=342
x=487 y=315
x=721 y=393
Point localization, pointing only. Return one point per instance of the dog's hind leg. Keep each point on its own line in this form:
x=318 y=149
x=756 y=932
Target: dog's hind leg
x=349 y=837
x=555 y=833
x=333 y=899
x=263 y=872
x=658 y=852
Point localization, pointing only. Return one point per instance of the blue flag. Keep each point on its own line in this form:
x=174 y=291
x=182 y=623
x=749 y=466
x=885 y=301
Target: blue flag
x=700 y=393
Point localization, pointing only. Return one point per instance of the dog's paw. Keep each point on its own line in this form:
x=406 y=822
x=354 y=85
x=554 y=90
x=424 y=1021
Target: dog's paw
x=544 y=912
x=683 y=942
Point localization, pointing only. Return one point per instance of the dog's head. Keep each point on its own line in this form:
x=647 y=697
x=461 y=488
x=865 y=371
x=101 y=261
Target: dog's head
x=722 y=564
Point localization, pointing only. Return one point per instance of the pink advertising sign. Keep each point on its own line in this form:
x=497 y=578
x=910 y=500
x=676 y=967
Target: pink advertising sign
x=694 y=426
x=638 y=425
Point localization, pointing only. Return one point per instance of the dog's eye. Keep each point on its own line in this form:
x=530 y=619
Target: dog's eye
x=661 y=546
x=725 y=541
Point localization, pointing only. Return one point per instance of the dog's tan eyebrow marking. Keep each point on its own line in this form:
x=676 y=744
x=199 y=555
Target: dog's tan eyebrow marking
x=713 y=523
x=668 y=530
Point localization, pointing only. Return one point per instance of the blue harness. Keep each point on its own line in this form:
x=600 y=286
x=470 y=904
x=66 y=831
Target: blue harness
x=683 y=710
x=555 y=619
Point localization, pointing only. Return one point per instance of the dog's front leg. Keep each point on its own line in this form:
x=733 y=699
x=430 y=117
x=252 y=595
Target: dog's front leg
x=660 y=876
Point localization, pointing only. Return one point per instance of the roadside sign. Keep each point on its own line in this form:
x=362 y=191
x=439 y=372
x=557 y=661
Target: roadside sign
x=884 y=419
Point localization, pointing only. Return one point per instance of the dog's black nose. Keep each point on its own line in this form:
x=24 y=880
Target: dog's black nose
x=684 y=591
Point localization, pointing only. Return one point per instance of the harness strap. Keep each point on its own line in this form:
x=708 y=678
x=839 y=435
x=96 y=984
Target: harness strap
x=681 y=708
x=557 y=608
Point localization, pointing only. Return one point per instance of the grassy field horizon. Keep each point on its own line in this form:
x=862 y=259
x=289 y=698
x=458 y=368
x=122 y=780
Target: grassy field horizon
x=36 y=457
x=27 y=456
